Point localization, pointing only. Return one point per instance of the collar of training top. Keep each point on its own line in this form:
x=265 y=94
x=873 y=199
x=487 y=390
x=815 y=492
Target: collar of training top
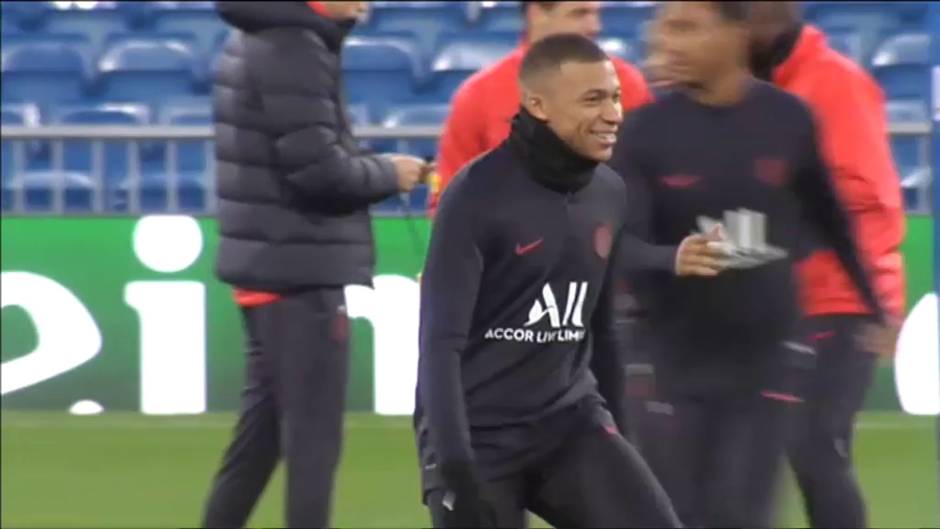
x=552 y=162
x=763 y=64
x=257 y=16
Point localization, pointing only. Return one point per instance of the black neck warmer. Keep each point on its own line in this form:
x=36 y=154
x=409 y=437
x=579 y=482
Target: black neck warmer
x=551 y=161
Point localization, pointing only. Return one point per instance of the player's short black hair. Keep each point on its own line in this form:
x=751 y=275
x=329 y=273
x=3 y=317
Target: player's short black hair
x=736 y=12
x=553 y=51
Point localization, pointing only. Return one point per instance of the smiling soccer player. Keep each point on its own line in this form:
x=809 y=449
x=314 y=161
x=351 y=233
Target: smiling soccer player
x=517 y=349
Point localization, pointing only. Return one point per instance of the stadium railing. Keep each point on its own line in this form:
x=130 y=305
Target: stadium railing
x=20 y=138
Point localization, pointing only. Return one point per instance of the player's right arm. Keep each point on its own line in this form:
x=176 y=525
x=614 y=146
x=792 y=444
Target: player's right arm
x=462 y=139
x=638 y=250
x=449 y=288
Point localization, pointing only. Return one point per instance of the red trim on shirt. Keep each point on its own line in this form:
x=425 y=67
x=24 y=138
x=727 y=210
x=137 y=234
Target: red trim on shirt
x=319 y=9
x=251 y=298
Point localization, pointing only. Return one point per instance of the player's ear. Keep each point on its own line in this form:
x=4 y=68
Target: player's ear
x=535 y=104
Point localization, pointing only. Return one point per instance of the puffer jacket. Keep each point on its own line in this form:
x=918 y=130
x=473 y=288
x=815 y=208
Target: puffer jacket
x=293 y=189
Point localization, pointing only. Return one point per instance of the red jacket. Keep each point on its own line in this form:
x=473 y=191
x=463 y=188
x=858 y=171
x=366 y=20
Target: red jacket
x=483 y=107
x=850 y=113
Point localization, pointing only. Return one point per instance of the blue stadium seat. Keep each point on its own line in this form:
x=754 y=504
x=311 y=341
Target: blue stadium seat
x=201 y=79
x=192 y=164
x=94 y=24
x=461 y=57
x=901 y=66
x=379 y=72
x=115 y=155
x=424 y=20
x=188 y=111
x=22 y=114
x=154 y=188
x=75 y=41
x=38 y=191
x=626 y=18
x=915 y=185
x=500 y=16
x=147 y=70
x=911 y=14
x=193 y=157
x=43 y=72
x=910 y=152
x=196 y=18
x=412 y=115
x=616 y=17
x=7 y=28
x=619 y=46
x=848 y=43
x=501 y=41
x=906 y=111
x=201 y=5
x=358 y=116
x=24 y=15
x=102 y=114
x=407 y=38
x=19 y=114
x=870 y=21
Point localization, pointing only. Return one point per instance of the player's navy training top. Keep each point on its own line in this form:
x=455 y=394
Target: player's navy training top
x=514 y=300
x=683 y=160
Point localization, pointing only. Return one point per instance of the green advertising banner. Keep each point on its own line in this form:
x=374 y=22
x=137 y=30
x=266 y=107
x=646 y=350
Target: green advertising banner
x=126 y=314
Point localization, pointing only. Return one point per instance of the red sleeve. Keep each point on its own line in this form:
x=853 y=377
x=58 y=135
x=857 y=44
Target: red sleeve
x=854 y=132
x=462 y=139
x=633 y=88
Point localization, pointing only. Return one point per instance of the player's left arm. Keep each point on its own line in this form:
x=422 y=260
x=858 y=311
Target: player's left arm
x=449 y=289
x=823 y=209
x=606 y=361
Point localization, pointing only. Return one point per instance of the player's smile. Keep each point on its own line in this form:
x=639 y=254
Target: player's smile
x=606 y=139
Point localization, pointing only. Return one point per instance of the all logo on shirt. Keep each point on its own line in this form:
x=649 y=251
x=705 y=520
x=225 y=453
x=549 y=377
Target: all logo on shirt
x=565 y=322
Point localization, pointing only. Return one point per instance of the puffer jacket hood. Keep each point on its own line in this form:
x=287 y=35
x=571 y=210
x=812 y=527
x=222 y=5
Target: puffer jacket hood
x=257 y=16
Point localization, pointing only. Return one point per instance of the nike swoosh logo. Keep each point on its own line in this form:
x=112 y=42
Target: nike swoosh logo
x=522 y=250
x=783 y=397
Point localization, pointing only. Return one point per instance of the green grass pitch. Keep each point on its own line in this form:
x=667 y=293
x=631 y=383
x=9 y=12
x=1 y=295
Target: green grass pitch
x=128 y=470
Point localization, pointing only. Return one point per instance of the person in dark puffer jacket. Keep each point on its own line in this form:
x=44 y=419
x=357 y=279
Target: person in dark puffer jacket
x=293 y=195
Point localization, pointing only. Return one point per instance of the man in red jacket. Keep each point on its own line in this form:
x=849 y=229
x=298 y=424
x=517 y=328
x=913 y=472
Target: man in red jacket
x=849 y=108
x=483 y=106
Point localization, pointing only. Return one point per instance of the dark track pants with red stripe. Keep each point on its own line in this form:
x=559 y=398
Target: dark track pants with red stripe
x=821 y=449
x=719 y=457
x=292 y=409
x=719 y=453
